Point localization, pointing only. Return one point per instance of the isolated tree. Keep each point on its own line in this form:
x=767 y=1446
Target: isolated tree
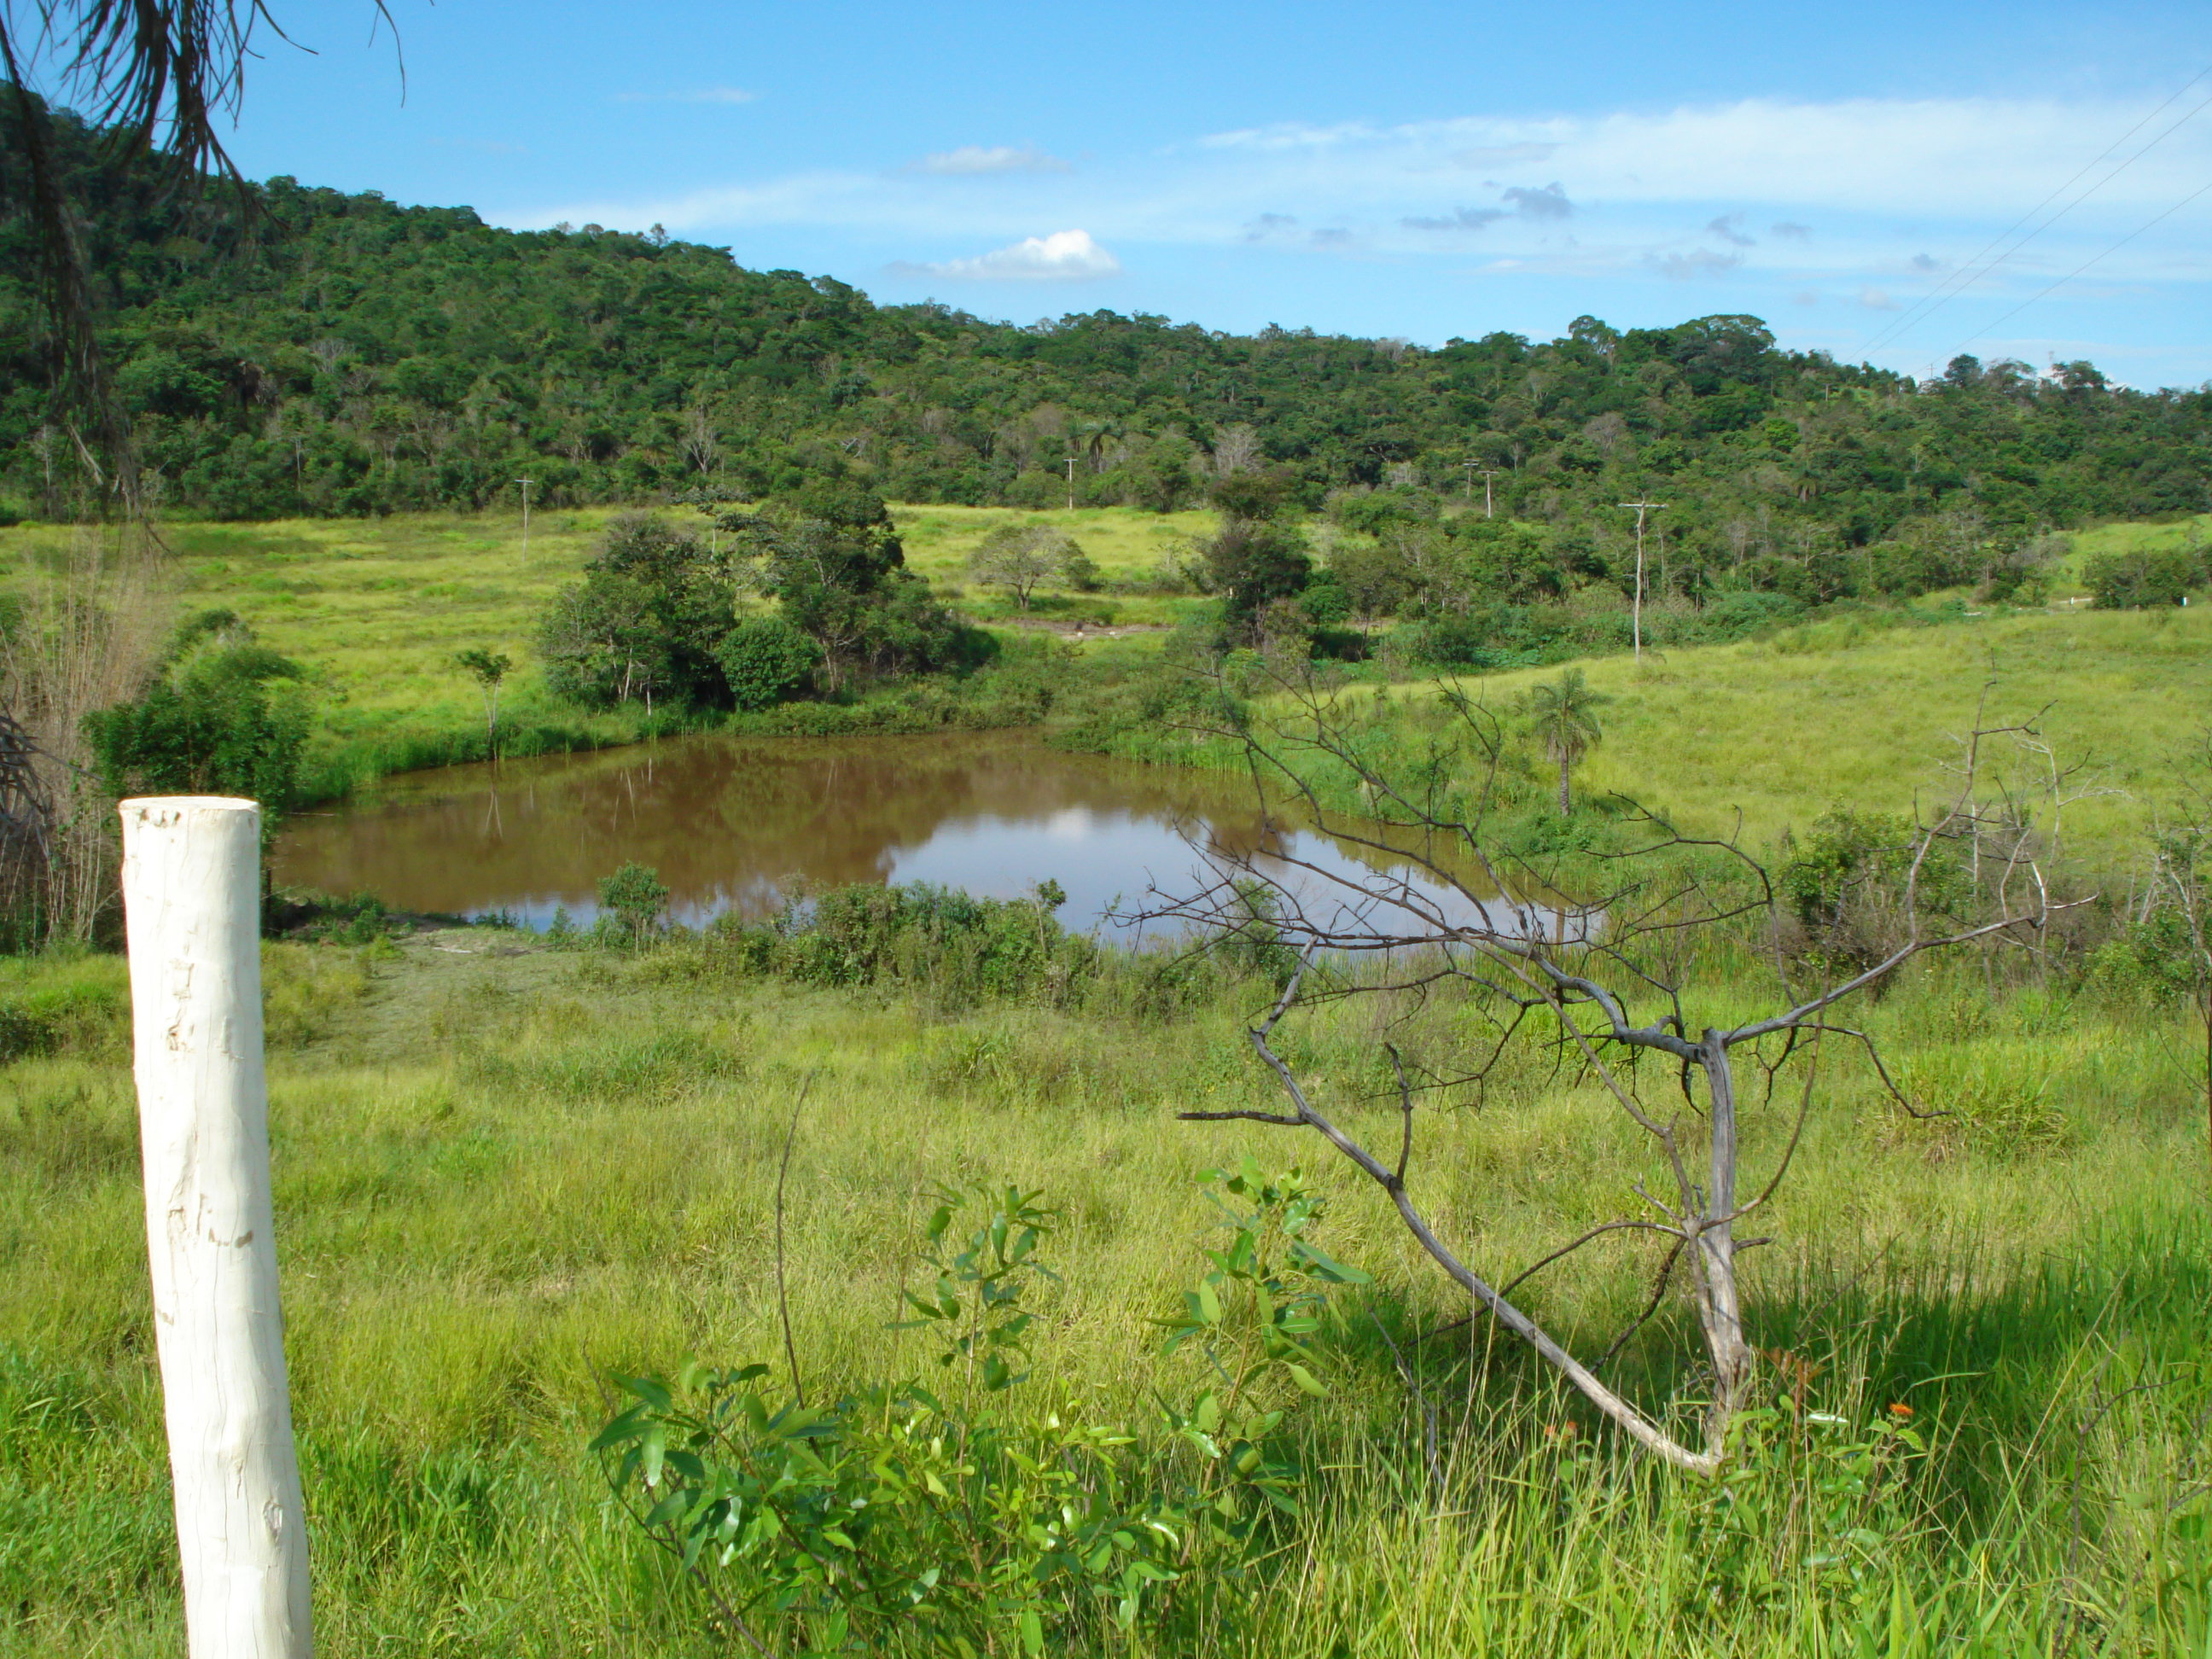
x=637 y=897
x=1562 y=715
x=1603 y=984
x=1022 y=558
x=487 y=669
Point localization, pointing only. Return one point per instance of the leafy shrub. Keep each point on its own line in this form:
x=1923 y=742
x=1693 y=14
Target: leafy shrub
x=943 y=1514
x=637 y=899
x=2144 y=579
x=765 y=659
x=221 y=717
x=958 y=948
x=1845 y=884
x=1735 y=616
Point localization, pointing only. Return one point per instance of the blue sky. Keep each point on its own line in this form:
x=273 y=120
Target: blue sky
x=1413 y=170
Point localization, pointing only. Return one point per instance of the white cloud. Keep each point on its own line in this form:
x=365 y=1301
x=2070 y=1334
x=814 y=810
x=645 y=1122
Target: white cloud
x=698 y=95
x=1884 y=180
x=1457 y=219
x=971 y=159
x=1064 y=255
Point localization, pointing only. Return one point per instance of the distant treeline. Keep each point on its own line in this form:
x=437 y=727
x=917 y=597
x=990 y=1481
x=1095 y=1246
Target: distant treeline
x=328 y=353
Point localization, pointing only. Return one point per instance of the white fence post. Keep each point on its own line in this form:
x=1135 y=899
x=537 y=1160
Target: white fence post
x=192 y=912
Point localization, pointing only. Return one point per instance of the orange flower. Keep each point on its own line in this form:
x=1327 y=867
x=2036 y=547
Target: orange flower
x=1901 y=1411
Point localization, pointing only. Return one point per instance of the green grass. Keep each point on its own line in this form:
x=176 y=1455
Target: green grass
x=499 y=1175
x=1766 y=735
x=1776 y=730
x=377 y=610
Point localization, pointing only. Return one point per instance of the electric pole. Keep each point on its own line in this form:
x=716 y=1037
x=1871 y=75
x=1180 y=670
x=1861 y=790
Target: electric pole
x=1071 y=483
x=526 y=483
x=1642 y=507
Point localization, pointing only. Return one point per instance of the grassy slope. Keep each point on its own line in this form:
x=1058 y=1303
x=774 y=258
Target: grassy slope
x=1780 y=730
x=378 y=608
x=499 y=1173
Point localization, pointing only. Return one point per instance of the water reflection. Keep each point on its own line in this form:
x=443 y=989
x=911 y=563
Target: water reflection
x=733 y=823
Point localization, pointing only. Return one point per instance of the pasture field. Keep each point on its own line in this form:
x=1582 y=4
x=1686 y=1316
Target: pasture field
x=1766 y=735
x=1775 y=729
x=506 y=1170
x=503 y=1170
x=377 y=609
x=2136 y=538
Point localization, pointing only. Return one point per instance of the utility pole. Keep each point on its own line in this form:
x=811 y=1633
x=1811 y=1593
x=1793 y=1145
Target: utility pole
x=1642 y=507
x=1071 y=483
x=526 y=483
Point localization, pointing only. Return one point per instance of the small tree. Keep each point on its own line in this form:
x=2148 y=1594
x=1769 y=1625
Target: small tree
x=487 y=669
x=1604 y=984
x=1563 y=715
x=1021 y=558
x=636 y=894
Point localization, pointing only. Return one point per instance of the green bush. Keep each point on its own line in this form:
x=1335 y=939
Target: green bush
x=765 y=659
x=2143 y=580
x=224 y=717
x=636 y=899
x=939 y=1510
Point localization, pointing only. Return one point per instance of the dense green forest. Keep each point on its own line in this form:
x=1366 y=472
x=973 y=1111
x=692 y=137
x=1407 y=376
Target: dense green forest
x=324 y=353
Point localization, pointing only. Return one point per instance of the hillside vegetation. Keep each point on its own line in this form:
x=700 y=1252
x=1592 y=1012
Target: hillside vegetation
x=353 y=356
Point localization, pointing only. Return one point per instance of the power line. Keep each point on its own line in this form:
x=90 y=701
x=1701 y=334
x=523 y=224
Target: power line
x=1928 y=304
x=2084 y=265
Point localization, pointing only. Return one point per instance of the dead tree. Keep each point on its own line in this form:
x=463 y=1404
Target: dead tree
x=1602 y=979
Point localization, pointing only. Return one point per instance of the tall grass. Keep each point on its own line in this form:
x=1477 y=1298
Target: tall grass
x=501 y=1174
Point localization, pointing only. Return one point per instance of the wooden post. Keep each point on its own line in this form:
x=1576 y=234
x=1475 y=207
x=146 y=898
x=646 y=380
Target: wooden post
x=192 y=896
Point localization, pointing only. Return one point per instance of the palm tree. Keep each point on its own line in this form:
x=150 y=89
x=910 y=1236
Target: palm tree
x=1563 y=714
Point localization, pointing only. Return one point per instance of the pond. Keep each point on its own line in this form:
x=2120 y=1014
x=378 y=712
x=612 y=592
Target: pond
x=738 y=824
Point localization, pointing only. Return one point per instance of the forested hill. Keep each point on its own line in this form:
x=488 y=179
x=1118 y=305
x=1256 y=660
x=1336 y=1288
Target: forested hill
x=356 y=356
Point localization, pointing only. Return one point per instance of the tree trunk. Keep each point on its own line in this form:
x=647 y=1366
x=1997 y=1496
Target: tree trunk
x=191 y=890
x=1720 y=1309
x=1567 y=774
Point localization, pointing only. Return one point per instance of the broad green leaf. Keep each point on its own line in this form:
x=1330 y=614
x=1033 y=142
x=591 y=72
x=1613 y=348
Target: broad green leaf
x=650 y=1389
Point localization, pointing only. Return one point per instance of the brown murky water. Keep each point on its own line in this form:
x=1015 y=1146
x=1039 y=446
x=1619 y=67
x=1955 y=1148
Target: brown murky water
x=733 y=823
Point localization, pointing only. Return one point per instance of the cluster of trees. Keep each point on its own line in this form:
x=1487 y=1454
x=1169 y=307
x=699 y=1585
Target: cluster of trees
x=665 y=614
x=356 y=357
